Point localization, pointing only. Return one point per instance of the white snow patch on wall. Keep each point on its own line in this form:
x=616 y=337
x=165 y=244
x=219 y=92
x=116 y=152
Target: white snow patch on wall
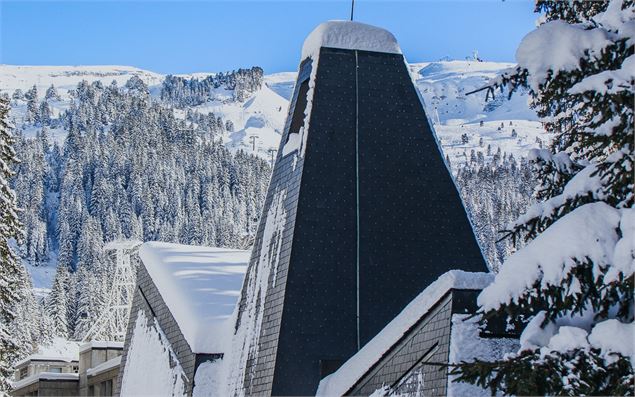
x=152 y=368
x=210 y=379
x=467 y=345
x=352 y=370
x=245 y=344
x=200 y=286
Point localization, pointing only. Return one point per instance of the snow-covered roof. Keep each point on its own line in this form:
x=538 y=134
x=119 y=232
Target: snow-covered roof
x=59 y=349
x=103 y=367
x=200 y=286
x=350 y=36
x=100 y=344
x=44 y=376
x=339 y=382
x=40 y=357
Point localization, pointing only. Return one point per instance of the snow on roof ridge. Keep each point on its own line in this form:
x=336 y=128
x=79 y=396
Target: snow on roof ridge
x=103 y=367
x=200 y=286
x=349 y=35
x=339 y=382
x=100 y=344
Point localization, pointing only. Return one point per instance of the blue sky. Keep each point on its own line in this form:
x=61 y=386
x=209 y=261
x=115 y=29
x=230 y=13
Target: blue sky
x=194 y=36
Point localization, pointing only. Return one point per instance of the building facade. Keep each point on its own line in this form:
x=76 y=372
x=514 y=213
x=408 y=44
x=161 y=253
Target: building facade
x=93 y=373
x=361 y=215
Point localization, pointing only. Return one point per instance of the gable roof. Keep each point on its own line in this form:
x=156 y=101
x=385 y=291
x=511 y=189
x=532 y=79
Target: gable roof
x=200 y=286
x=341 y=381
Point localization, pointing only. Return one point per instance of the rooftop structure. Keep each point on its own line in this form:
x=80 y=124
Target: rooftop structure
x=353 y=229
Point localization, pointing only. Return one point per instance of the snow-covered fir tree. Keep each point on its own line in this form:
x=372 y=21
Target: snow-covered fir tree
x=52 y=94
x=495 y=192
x=32 y=108
x=18 y=332
x=10 y=229
x=572 y=284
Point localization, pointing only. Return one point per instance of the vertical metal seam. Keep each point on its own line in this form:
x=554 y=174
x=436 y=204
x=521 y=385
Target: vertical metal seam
x=357 y=189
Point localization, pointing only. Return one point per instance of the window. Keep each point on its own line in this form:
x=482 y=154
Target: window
x=106 y=388
x=91 y=390
x=24 y=372
x=57 y=370
x=298 y=111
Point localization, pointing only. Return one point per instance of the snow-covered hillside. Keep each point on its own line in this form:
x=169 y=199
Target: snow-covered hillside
x=66 y=77
x=461 y=120
x=463 y=123
x=261 y=116
x=258 y=121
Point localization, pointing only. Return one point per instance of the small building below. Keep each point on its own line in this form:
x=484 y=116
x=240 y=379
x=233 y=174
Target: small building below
x=92 y=373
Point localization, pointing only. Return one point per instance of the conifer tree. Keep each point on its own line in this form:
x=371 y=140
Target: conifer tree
x=571 y=286
x=32 y=109
x=51 y=94
x=10 y=266
x=58 y=302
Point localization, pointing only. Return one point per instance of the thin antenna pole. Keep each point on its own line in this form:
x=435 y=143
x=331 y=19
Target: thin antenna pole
x=352 y=8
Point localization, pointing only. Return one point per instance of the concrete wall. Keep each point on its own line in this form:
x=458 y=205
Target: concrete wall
x=98 y=382
x=38 y=366
x=49 y=388
x=92 y=358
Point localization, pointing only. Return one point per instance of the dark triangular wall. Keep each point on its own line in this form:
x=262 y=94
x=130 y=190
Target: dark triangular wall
x=372 y=218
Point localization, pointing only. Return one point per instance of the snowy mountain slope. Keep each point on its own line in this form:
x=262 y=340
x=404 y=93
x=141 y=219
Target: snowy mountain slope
x=261 y=116
x=444 y=85
x=507 y=124
x=281 y=83
x=66 y=77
